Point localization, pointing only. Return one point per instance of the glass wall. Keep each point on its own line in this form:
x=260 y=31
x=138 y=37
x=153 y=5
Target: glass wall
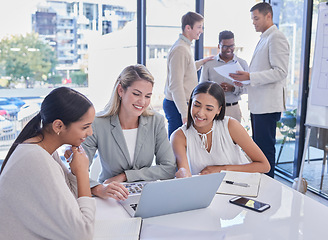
x=110 y=53
x=162 y=30
x=44 y=45
x=288 y=16
x=314 y=170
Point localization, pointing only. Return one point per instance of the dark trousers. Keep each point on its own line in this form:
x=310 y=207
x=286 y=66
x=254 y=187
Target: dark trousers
x=264 y=135
x=172 y=115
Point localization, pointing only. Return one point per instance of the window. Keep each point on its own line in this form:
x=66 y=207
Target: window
x=78 y=44
x=110 y=53
x=163 y=28
x=288 y=16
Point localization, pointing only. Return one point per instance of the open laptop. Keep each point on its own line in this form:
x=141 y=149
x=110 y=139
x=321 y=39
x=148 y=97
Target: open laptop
x=175 y=195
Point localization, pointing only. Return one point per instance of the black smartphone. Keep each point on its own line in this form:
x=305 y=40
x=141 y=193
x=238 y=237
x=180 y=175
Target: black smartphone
x=250 y=203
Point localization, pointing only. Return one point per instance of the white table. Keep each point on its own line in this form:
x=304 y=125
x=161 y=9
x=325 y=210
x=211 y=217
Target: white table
x=292 y=216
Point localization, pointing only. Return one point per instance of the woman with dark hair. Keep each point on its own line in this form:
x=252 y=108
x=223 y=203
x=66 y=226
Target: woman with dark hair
x=128 y=136
x=39 y=197
x=210 y=142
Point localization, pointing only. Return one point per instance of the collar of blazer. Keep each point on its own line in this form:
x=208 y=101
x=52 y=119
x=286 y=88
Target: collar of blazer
x=269 y=31
x=120 y=140
x=263 y=36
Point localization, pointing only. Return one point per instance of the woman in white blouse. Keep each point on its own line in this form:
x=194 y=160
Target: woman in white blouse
x=210 y=142
x=39 y=197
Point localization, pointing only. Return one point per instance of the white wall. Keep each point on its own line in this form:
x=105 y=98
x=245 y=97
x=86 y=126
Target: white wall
x=108 y=56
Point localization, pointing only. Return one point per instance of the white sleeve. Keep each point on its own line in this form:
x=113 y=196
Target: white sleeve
x=70 y=178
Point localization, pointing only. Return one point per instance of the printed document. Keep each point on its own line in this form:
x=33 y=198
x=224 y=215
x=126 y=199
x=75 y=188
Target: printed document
x=231 y=68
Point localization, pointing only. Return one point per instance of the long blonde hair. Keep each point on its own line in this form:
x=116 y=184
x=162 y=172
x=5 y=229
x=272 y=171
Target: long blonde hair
x=126 y=78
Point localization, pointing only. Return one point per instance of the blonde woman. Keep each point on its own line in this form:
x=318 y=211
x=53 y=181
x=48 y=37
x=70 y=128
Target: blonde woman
x=127 y=135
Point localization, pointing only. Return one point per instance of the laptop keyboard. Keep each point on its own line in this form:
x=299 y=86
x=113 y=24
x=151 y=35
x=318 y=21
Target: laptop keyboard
x=134 y=188
x=134 y=206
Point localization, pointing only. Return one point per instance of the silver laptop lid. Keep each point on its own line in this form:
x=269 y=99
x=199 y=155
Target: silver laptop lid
x=178 y=195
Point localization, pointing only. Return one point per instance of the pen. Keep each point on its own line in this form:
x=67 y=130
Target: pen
x=238 y=184
x=70 y=158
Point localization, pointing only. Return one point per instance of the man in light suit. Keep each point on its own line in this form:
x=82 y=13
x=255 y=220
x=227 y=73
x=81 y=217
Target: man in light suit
x=267 y=74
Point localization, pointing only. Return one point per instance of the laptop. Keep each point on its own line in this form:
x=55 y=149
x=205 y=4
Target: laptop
x=172 y=196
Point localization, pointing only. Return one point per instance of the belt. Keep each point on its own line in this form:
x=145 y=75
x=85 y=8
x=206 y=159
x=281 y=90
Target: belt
x=231 y=104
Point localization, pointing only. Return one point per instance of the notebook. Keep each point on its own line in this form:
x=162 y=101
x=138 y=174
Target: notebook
x=118 y=229
x=172 y=196
x=251 y=179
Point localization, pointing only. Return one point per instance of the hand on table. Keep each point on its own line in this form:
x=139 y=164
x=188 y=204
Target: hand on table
x=211 y=169
x=112 y=190
x=182 y=173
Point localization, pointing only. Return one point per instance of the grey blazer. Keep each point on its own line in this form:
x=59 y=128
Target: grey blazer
x=152 y=140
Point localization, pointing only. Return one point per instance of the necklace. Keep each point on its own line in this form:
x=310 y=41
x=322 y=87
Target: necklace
x=203 y=137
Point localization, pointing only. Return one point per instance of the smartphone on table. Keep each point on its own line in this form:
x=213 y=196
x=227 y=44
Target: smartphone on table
x=250 y=204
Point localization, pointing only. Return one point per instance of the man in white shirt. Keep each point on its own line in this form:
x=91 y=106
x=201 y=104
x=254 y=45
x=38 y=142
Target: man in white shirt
x=182 y=71
x=267 y=74
x=226 y=55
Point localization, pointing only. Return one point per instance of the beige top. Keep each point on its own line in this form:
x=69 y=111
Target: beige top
x=38 y=198
x=268 y=72
x=181 y=74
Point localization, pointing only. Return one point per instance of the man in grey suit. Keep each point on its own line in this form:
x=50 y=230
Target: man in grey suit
x=267 y=74
x=226 y=55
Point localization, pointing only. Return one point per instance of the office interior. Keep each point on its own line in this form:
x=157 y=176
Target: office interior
x=153 y=26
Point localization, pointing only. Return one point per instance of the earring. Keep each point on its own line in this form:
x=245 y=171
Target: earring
x=58 y=133
x=120 y=98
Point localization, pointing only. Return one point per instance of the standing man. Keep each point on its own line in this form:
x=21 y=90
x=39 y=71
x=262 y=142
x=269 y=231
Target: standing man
x=182 y=71
x=267 y=74
x=226 y=48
